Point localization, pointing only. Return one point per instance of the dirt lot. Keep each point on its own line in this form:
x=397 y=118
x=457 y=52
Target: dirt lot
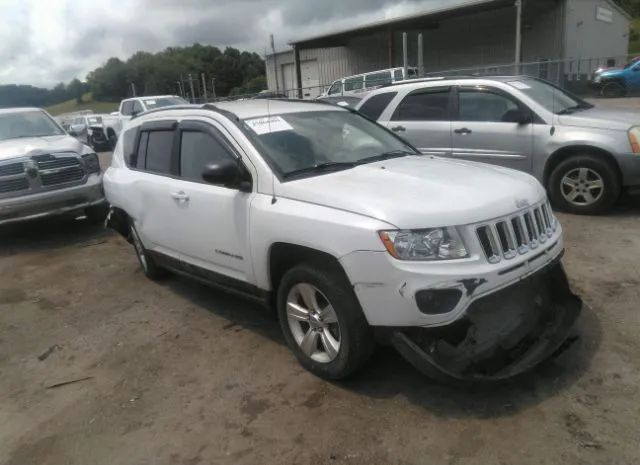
x=175 y=373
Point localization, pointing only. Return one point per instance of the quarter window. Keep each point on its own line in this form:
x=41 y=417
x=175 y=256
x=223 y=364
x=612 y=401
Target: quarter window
x=481 y=105
x=159 y=148
x=424 y=105
x=197 y=150
x=374 y=107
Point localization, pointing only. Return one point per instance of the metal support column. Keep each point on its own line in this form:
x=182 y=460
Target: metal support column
x=518 y=54
x=405 y=54
x=420 y=55
x=296 y=65
x=204 y=88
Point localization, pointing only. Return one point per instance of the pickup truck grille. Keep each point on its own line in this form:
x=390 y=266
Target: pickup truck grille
x=518 y=234
x=62 y=177
x=13 y=185
x=31 y=175
x=11 y=169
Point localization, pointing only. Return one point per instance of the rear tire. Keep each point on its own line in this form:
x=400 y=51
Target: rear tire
x=337 y=349
x=149 y=266
x=585 y=185
x=613 y=90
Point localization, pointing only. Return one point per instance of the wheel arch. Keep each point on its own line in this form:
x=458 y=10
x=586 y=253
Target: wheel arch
x=285 y=255
x=565 y=153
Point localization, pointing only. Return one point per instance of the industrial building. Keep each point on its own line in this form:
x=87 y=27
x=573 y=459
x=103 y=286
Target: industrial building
x=481 y=34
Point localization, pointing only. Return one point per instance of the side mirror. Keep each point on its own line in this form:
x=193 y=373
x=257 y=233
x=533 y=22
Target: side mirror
x=227 y=173
x=517 y=116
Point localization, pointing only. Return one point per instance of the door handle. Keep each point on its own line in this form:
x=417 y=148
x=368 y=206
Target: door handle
x=399 y=129
x=463 y=131
x=180 y=196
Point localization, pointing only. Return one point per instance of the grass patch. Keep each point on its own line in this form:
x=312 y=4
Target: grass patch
x=87 y=104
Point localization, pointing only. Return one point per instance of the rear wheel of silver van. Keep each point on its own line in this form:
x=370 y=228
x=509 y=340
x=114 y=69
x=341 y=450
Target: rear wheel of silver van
x=322 y=321
x=149 y=266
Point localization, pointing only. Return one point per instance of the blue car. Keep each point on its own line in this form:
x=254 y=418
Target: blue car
x=617 y=82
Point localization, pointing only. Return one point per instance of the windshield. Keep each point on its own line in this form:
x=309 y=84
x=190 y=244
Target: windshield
x=94 y=120
x=631 y=63
x=163 y=102
x=27 y=124
x=295 y=142
x=550 y=97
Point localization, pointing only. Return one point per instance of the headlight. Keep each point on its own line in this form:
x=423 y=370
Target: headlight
x=634 y=138
x=424 y=244
x=597 y=79
x=91 y=163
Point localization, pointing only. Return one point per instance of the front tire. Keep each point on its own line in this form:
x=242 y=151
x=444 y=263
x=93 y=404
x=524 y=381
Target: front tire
x=613 y=90
x=322 y=321
x=585 y=185
x=97 y=214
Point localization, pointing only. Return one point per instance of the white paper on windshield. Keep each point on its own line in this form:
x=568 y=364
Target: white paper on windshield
x=268 y=124
x=150 y=102
x=519 y=85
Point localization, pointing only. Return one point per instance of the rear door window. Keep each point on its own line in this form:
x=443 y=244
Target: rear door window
x=159 y=150
x=375 y=106
x=425 y=105
x=377 y=79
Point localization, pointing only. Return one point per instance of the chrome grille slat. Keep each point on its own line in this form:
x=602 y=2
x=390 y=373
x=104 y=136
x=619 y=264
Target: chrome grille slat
x=505 y=238
x=13 y=185
x=62 y=177
x=11 y=169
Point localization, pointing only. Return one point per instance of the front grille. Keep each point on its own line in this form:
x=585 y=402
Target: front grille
x=12 y=169
x=54 y=163
x=13 y=185
x=62 y=177
x=517 y=234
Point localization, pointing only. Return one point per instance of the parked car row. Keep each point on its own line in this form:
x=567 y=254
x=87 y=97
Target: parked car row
x=357 y=225
x=617 y=82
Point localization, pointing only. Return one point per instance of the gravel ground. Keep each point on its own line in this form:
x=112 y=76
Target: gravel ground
x=176 y=373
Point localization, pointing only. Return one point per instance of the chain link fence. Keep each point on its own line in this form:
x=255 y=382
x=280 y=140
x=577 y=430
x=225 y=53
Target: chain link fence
x=573 y=74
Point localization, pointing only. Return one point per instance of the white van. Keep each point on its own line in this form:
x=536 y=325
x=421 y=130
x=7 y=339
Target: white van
x=359 y=83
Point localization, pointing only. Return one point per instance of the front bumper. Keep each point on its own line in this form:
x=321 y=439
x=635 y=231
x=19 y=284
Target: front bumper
x=630 y=168
x=501 y=335
x=54 y=202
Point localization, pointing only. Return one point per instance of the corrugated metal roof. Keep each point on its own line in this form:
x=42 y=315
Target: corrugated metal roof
x=468 y=5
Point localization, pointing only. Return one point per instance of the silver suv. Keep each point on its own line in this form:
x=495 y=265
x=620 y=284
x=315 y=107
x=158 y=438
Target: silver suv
x=44 y=171
x=584 y=155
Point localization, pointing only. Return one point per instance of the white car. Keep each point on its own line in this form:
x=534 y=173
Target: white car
x=358 y=85
x=350 y=232
x=44 y=171
x=115 y=122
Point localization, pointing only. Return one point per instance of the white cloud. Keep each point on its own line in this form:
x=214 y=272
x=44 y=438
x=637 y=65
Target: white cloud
x=43 y=42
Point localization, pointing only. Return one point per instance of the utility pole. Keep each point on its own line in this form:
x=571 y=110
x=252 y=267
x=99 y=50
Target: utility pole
x=180 y=91
x=420 y=56
x=204 y=88
x=405 y=55
x=518 y=54
x=193 y=94
x=133 y=89
x=275 y=64
x=213 y=87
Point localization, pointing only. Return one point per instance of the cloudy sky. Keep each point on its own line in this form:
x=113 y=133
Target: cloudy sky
x=43 y=42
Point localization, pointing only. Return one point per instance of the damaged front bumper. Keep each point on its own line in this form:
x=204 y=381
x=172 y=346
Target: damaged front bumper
x=502 y=334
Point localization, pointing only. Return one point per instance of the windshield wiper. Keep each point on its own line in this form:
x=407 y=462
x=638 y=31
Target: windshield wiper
x=574 y=108
x=322 y=168
x=386 y=156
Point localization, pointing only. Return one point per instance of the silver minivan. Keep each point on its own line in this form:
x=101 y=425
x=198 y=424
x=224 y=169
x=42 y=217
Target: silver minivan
x=366 y=82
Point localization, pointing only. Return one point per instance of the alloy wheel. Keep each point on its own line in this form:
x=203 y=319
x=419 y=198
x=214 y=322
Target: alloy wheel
x=582 y=187
x=313 y=323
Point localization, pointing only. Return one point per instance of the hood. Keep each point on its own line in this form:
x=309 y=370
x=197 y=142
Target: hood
x=420 y=191
x=609 y=71
x=25 y=146
x=601 y=118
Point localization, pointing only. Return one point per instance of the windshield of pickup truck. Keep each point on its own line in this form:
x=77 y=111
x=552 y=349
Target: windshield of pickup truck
x=552 y=98
x=316 y=142
x=94 y=120
x=153 y=103
x=27 y=124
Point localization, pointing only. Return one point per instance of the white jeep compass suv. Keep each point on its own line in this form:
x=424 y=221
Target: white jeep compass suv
x=350 y=232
